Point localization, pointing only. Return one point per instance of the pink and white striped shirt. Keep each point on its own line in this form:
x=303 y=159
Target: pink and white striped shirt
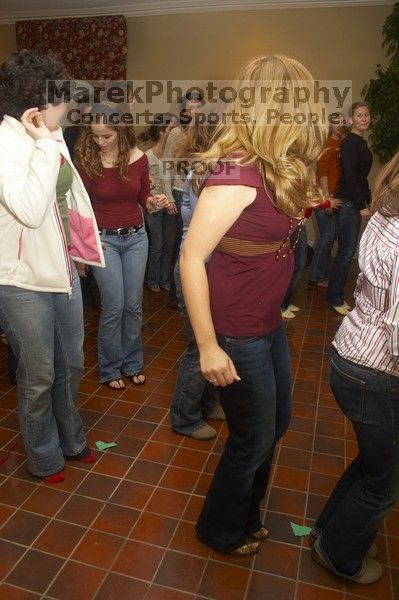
x=369 y=334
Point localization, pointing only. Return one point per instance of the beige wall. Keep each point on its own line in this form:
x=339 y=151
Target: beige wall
x=334 y=43
x=7 y=41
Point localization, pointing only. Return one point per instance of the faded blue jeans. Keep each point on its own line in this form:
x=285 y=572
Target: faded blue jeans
x=45 y=331
x=162 y=228
x=369 y=487
x=258 y=411
x=194 y=397
x=121 y=290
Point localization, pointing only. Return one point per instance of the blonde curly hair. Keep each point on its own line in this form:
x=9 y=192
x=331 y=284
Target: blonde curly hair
x=286 y=152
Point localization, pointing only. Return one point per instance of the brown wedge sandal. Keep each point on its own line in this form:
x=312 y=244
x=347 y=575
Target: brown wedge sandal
x=247 y=549
x=260 y=536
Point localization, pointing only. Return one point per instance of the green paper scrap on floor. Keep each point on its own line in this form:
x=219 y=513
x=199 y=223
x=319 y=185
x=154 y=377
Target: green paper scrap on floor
x=104 y=445
x=300 y=530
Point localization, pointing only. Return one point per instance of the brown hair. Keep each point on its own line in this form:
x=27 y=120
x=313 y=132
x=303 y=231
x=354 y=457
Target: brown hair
x=160 y=123
x=386 y=189
x=198 y=138
x=88 y=153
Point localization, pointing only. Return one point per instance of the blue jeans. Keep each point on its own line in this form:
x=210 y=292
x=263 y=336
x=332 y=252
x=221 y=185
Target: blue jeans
x=347 y=227
x=300 y=253
x=162 y=228
x=322 y=252
x=193 y=397
x=45 y=331
x=258 y=410
x=121 y=291
x=178 y=197
x=370 y=485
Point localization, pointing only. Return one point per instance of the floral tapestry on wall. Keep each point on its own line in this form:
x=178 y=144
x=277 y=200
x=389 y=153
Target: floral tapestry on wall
x=90 y=47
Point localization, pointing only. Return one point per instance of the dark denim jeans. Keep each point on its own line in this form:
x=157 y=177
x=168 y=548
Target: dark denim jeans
x=178 y=197
x=193 y=397
x=162 y=228
x=300 y=253
x=321 y=257
x=370 y=485
x=347 y=227
x=258 y=410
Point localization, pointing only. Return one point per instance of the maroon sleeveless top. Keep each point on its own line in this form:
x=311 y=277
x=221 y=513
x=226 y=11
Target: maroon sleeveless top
x=246 y=292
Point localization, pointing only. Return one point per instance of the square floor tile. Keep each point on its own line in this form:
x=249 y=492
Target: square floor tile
x=59 y=538
x=23 y=527
x=171 y=569
x=98 y=549
x=115 y=519
x=35 y=571
x=76 y=581
x=269 y=587
x=224 y=582
x=154 y=529
x=132 y=494
x=138 y=560
x=117 y=587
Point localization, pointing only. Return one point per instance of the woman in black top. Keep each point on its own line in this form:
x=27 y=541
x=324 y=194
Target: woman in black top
x=356 y=160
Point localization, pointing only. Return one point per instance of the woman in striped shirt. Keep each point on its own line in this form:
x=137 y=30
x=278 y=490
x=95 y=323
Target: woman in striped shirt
x=365 y=382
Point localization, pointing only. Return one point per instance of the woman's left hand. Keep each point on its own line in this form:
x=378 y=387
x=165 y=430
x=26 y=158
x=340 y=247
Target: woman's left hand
x=81 y=268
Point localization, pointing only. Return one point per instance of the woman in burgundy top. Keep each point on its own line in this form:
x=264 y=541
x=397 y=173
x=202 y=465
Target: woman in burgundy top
x=248 y=208
x=116 y=175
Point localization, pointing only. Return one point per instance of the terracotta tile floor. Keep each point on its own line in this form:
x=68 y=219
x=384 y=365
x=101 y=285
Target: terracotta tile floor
x=124 y=527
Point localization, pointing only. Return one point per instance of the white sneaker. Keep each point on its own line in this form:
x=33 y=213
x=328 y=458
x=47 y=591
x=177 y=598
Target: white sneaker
x=341 y=309
x=287 y=314
x=293 y=308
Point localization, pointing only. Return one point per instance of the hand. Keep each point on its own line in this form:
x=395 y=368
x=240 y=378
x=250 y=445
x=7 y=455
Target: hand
x=160 y=201
x=171 y=209
x=34 y=125
x=217 y=367
x=365 y=212
x=335 y=202
x=81 y=268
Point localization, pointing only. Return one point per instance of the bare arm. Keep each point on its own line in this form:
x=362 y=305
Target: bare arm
x=217 y=209
x=324 y=186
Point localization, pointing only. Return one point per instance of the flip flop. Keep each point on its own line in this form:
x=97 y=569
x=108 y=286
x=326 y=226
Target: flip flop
x=138 y=378
x=120 y=386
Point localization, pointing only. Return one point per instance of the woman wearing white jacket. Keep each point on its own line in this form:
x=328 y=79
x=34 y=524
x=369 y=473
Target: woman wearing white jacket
x=46 y=223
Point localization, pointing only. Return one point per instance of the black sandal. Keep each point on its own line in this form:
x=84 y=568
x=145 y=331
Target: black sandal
x=136 y=378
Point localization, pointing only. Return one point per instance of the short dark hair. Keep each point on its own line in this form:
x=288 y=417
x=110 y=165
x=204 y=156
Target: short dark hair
x=357 y=105
x=23 y=82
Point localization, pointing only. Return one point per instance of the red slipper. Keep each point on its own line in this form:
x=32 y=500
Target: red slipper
x=86 y=456
x=56 y=478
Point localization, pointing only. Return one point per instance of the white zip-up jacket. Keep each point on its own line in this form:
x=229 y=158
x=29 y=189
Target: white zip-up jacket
x=33 y=250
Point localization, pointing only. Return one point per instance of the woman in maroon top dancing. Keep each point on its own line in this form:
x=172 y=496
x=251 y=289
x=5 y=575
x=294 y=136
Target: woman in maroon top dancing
x=259 y=169
x=116 y=175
